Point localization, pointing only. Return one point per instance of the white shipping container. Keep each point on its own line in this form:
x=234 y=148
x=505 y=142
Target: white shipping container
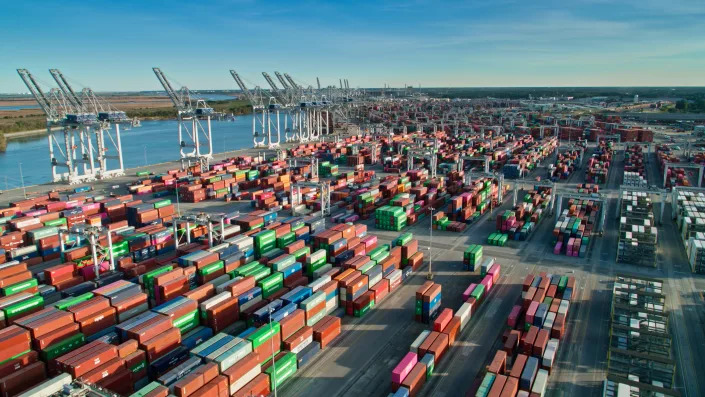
x=234 y=354
x=464 y=313
x=540 y=383
x=319 y=283
x=245 y=379
x=419 y=340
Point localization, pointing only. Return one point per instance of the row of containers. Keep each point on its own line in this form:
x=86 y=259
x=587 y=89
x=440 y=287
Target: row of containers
x=638 y=236
x=599 y=163
x=145 y=319
x=468 y=206
x=567 y=162
x=397 y=200
x=519 y=222
x=634 y=167
x=427 y=350
x=531 y=339
x=690 y=219
x=575 y=227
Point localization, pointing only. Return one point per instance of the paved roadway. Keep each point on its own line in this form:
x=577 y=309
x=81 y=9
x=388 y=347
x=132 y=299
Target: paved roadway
x=360 y=361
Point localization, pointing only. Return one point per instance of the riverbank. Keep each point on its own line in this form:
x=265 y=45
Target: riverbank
x=26 y=134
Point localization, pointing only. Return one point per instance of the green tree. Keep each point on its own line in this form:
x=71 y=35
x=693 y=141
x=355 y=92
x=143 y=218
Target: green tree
x=682 y=105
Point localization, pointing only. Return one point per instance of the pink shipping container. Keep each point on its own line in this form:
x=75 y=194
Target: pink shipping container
x=370 y=242
x=35 y=213
x=514 y=316
x=557 y=248
x=494 y=271
x=404 y=367
x=531 y=312
x=487 y=282
x=468 y=291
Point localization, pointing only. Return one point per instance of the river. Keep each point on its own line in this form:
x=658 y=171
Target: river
x=152 y=143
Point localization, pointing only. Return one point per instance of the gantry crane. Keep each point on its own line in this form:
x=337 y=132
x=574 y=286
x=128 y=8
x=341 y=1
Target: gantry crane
x=281 y=103
x=260 y=119
x=191 y=111
x=63 y=112
x=108 y=117
x=314 y=114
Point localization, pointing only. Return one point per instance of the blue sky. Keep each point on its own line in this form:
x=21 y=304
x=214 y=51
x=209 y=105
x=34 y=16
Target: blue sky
x=113 y=45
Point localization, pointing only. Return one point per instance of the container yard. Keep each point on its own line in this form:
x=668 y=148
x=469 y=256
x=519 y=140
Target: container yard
x=418 y=257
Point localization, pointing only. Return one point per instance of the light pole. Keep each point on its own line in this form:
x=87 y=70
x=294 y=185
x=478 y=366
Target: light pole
x=429 y=276
x=24 y=191
x=176 y=188
x=271 y=343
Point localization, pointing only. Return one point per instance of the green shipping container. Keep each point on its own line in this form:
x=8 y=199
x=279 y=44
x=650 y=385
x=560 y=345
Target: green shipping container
x=19 y=287
x=22 y=307
x=148 y=277
x=162 y=203
x=246 y=268
x=478 y=292
x=212 y=268
x=187 y=322
x=300 y=253
x=263 y=333
x=286 y=239
x=68 y=302
x=63 y=347
x=55 y=222
x=361 y=312
x=403 y=239
x=486 y=385
x=146 y=390
x=285 y=369
x=259 y=273
x=271 y=283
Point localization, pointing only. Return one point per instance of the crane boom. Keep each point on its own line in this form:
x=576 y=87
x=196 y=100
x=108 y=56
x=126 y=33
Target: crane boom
x=38 y=94
x=270 y=82
x=291 y=81
x=242 y=86
x=175 y=98
x=278 y=94
x=66 y=88
x=281 y=80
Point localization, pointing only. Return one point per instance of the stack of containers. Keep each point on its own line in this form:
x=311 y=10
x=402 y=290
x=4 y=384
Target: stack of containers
x=690 y=207
x=326 y=169
x=599 y=163
x=390 y=218
x=574 y=227
x=638 y=236
x=566 y=163
x=472 y=257
x=634 y=168
x=521 y=221
x=498 y=239
x=417 y=366
x=588 y=188
x=428 y=302
x=532 y=337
